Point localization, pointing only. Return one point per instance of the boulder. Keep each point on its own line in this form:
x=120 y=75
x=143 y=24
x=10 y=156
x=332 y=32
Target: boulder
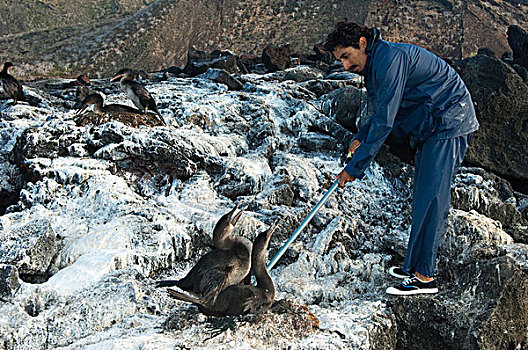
x=489 y=195
x=276 y=57
x=321 y=55
x=501 y=103
x=11 y=182
x=30 y=248
x=483 y=299
x=485 y=309
x=518 y=40
x=198 y=62
x=223 y=77
x=486 y=51
x=347 y=106
x=9 y=282
x=302 y=73
x=344 y=106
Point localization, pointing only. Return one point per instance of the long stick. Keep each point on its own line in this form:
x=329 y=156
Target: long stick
x=301 y=227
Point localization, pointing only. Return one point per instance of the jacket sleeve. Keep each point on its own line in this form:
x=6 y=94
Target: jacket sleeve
x=390 y=75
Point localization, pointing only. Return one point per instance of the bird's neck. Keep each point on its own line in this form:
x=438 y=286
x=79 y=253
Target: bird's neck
x=262 y=275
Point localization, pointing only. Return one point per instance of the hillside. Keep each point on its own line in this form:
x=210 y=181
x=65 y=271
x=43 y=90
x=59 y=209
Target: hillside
x=57 y=38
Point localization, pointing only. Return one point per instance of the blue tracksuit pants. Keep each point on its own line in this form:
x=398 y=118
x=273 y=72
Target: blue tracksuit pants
x=436 y=163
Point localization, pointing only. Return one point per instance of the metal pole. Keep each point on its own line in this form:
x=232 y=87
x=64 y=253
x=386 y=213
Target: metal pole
x=301 y=227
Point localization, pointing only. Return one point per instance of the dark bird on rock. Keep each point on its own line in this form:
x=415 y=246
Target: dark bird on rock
x=228 y=264
x=98 y=101
x=135 y=91
x=12 y=86
x=83 y=89
x=241 y=299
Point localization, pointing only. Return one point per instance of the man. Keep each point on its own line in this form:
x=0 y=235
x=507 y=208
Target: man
x=415 y=93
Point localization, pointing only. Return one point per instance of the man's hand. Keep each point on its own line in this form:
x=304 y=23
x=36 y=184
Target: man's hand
x=344 y=177
x=354 y=146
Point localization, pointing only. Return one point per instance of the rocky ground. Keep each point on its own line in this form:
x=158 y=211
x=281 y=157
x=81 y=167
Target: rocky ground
x=97 y=209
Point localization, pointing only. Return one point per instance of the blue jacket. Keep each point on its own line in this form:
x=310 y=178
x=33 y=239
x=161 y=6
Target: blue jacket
x=411 y=92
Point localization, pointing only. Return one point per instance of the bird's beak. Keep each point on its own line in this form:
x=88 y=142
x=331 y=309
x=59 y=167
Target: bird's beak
x=117 y=77
x=274 y=228
x=80 y=111
x=234 y=220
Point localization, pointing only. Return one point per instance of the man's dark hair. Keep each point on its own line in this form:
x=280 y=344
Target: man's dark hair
x=346 y=34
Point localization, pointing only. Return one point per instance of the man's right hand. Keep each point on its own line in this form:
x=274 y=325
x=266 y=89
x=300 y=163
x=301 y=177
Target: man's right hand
x=344 y=177
x=354 y=146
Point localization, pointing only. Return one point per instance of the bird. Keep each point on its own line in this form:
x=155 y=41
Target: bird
x=12 y=86
x=241 y=299
x=226 y=265
x=135 y=91
x=97 y=100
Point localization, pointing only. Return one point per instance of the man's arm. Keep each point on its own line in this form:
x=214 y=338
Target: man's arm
x=390 y=76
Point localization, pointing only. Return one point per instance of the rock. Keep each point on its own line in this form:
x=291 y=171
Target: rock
x=523 y=72
x=475 y=189
x=518 y=40
x=470 y=313
x=486 y=51
x=198 y=62
x=501 y=103
x=463 y=238
x=322 y=87
x=302 y=73
x=243 y=177
x=50 y=141
x=318 y=142
x=11 y=182
x=30 y=247
x=137 y=152
x=9 y=282
x=321 y=55
x=222 y=77
x=251 y=62
x=276 y=58
x=344 y=106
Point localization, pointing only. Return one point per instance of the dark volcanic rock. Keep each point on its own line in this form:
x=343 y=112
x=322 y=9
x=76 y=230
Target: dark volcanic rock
x=501 y=100
x=486 y=51
x=171 y=156
x=11 y=182
x=50 y=141
x=223 y=77
x=276 y=57
x=303 y=73
x=489 y=195
x=317 y=142
x=483 y=298
x=518 y=40
x=198 y=62
x=343 y=106
x=487 y=308
x=31 y=249
x=9 y=282
x=346 y=105
x=523 y=72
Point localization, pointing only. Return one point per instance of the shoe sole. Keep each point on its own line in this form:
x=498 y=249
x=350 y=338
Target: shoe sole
x=393 y=274
x=395 y=291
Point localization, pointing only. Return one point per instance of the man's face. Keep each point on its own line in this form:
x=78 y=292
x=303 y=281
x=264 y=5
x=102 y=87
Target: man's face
x=354 y=60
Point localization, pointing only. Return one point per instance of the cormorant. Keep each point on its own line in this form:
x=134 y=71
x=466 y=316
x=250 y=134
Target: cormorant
x=135 y=91
x=241 y=299
x=226 y=265
x=97 y=100
x=83 y=87
x=12 y=86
